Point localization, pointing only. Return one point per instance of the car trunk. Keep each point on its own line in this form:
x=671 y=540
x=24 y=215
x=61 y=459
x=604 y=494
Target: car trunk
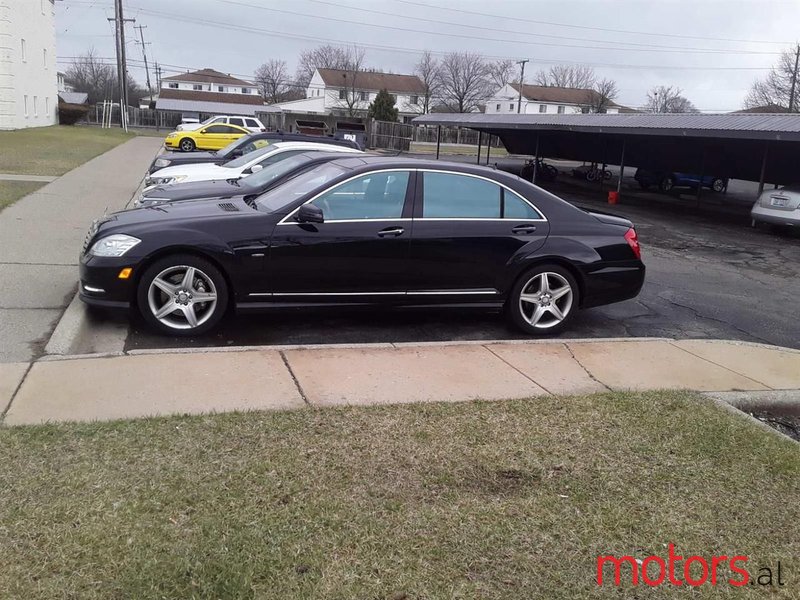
x=780 y=200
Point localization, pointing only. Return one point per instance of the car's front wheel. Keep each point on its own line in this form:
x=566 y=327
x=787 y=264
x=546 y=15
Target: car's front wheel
x=718 y=184
x=182 y=295
x=187 y=145
x=544 y=300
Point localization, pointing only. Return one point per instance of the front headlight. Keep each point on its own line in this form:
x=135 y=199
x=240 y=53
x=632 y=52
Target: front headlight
x=171 y=135
x=114 y=245
x=162 y=162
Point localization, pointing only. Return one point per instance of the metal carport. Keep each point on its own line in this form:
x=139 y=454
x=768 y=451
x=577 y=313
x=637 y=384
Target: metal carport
x=755 y=147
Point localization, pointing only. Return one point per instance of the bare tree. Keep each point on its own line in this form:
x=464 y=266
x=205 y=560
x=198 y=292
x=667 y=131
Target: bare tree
x=568 y=76
x=776 y=88
x=501 y=72
x=322 y=57
x=429 y=72
x=668 y=99
x=601 y=95
x=353 y=66
x=466 y=81
x=91 y=74
x=272 y=80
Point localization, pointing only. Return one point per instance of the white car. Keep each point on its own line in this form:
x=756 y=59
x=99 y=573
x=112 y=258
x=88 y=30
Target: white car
x=239 y=167
x=250 y=123
x=778 y=207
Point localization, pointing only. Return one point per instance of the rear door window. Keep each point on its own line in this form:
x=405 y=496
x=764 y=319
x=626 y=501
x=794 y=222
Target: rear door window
x=458 y=196
x=237 y=121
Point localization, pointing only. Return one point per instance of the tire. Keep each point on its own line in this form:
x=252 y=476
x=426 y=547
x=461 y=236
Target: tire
x=172 y=291
x=718 y=184
x=187 y=145
x=606 y=175
x=535 y=317
x=591 y=175
x=666 y=184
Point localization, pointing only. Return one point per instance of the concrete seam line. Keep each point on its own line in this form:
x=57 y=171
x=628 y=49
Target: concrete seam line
x=294 y=378
x=582 y=366
x=525 y=375
x=14 y=394
x=734 y=410
x=720 y=366
x=743 y=343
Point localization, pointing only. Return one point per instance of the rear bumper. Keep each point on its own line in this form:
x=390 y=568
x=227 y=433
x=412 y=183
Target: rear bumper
x=775 y=216
x=613 y=284
x=100 y=284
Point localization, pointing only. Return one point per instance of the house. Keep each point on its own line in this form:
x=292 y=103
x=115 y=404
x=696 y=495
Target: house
x=545 y=100
x=338 y=92
x=63 y=86
x=28 y=74
x=208 y=92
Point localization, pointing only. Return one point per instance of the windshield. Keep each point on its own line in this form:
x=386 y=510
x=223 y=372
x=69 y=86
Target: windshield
x=271 y=172
x=285 y=194
x=246 y=158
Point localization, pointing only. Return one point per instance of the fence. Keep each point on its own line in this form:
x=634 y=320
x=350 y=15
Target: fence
x=137 y=117
x=399 y=136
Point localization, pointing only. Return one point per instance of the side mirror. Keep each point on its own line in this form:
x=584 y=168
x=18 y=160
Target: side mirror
x=203 y=131
x=256 y=168
x=309 y=213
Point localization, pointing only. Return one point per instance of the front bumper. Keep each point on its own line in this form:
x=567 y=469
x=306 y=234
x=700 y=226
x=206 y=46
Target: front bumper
x=100 y=284
x=171 y=143
x=775 y=216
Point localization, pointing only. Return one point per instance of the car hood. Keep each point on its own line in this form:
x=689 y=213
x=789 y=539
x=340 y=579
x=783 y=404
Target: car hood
x=216 y=188
x=205 y=170
x=189 y=157
x=186 y=212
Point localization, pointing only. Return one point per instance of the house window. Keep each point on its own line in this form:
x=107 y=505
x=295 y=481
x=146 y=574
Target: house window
x=414 y=100
x=44 y=57
x=543 y=108
x=561 y=109
x=365 y=96
x=220 y=88
x=245 y=90
x=197 y=87
x=25 y=104
x=173 y=86
x=35 y=107
x=342 y=94
x=22 y=50
x=498 y=108
x=511 y=106
x=47 y=106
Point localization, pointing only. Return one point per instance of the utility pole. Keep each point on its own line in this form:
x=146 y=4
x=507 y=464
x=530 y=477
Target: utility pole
x=122 y=65
x=144 y=55
x=521 y=83
x=794 y=77
x=158 y=76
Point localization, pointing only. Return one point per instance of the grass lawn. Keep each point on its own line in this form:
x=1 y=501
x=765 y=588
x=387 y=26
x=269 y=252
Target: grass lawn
x=11 y=191
x=54 y=150
x=430 y=148
x=493 y=500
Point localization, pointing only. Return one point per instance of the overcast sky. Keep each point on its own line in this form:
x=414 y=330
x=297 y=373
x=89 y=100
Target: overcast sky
x=712 y=49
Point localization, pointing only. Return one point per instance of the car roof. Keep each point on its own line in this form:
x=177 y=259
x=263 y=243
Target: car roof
x=315 y=145
x=368 y=161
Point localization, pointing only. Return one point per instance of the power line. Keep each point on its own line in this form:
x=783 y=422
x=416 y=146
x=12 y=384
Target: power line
x=586 y=27
x=486 y=28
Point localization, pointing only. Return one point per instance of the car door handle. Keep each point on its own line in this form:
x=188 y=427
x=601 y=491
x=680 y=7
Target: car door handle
x=391 y=231
x=524 y=229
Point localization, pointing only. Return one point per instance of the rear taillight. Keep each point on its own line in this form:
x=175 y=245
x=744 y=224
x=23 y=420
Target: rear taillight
x=633 y=242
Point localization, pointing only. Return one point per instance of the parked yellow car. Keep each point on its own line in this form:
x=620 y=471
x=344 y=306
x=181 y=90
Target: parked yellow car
x=211 y=137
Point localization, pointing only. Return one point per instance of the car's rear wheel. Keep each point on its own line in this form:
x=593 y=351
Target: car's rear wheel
x=182 y=295
x=666 y=184
x=187 y=145
x=544 y=300
x=718 y=184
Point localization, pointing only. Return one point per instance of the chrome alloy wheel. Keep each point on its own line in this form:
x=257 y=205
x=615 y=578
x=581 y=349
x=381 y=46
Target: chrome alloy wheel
x=545 y=300
x=182 y=297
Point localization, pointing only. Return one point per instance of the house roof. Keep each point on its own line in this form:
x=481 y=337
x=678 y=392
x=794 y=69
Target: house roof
x=73 y=97
x=371 y=81
x=208 y=76
x=546 y=93
x=213 y=108
x=202 y=96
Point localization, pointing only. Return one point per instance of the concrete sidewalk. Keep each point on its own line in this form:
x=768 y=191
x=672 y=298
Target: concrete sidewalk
x=145 y=383
x=42 y=235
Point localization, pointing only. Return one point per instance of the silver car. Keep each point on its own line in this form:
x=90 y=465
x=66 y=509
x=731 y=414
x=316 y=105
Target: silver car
x=778 y=207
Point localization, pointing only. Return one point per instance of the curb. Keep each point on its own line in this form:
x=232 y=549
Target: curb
x=67 y=329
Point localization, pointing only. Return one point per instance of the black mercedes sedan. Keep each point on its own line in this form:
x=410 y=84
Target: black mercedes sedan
x=248 y=187
x=365 y=231
x=244 y=145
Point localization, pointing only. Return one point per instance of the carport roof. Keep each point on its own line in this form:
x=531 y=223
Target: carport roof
x=785 y=127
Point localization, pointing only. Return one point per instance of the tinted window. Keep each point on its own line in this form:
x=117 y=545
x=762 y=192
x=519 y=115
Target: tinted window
x=271 y=172
x=237 y=121
x=294 y=189
x=247 y=158
x=229 y=129
x=252 y=123
x=450 y=196
x=373 y=196
x=217 y=129
x=279 y=156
